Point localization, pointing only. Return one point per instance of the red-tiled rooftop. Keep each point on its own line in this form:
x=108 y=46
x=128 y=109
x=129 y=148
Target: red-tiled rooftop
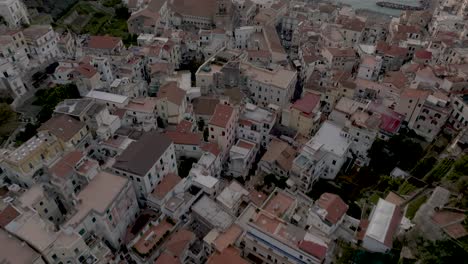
x=7 y=215
x=334 y=206
x=179 y=241
x=393 y=227
x=267 y=222
x=314 y=249
x=172 y=92
x=245 y=144
x=167 y=258
x=308 y=103
x=152 y=236
x=63 y=127
x=279 y=203
x=166 y=185
x=184 y=126
x=187 y=138
x=228 y=238
x=230 y=255
x=103 y=42
x=66 y=164
x=222 y=115
x=423 y=54
x=211 y=147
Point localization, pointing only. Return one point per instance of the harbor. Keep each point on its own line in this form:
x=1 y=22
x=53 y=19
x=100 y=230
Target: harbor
x=399 y=6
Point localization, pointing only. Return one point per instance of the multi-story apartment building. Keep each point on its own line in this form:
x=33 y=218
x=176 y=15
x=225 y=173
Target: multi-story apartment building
x=105 y=207
x=321 y=157
x=42 y=41
x=55 y=246
x=222 y=127
x=459 y=116
x=383 y=225
x=303 y=115
x=328 y=213
x=14 y=12
x=70 y=174
x=171 y=103
x=146 y=161
x=274 y=240
x=14 y=49
x=340 y=59
x=38 y=199
x=70 y=132
x=241 y=158
x=141 y=114
x=25 y=164
x=255 y=124
x=432 y=116
x=11 y=82
x=269 y=86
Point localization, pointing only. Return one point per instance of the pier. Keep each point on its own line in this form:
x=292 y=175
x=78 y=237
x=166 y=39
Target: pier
x=398 y=6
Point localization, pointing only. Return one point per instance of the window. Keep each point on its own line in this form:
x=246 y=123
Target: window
x=93 y=220
x=82 y=231
x=41 y=203
x=334 y=162
x=46 y=211
x=76 y=251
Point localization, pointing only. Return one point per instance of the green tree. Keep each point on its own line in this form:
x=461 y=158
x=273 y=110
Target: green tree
x=5 y=113
x=206 y=134
x=122 y=12
x=49 y=98
x=441 y=252
x=201 y=124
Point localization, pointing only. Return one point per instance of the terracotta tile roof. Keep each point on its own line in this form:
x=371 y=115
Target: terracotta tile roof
x=201 y=8
x=144 y=246
x=167 y=258
x=445 y=217
x=308 y=103
x=103 y=42
x=205 y=105
x=63 y=127
x=334 y=206
x=423 y=54
x=456 y=231
x=394 y=198
x=172 y=92
x=7 y=215
x=166 y=185
x=179 y=241
x=278 y=204
x=228 y=256
x=212 y=148
x=257 y=198
x=228 y=238
x=393 y=227
x=184 y=126
x=245 y=144
x=391 y=50
x=86 y=70
x=185 y=138
x=348 y=52
x=222 y=115
x=316 y=250
x=145 y=105
x=363 y=224
x=63 y=167
x=397 y=79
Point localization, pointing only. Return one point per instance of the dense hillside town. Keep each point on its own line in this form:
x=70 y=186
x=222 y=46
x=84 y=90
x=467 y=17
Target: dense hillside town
x=233 y=132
